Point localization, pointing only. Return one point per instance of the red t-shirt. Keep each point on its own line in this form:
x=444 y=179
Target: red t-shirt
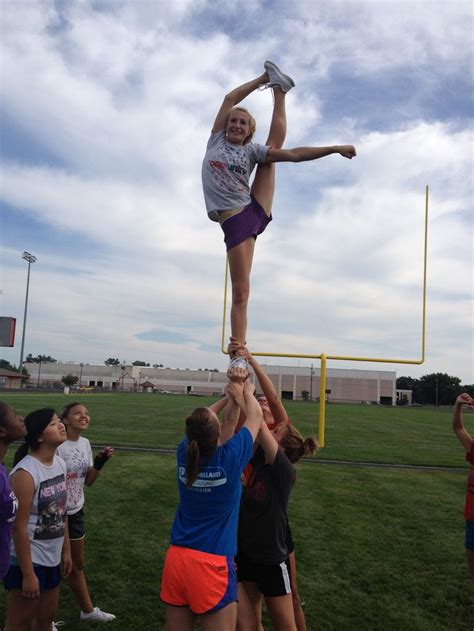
x=469 y=505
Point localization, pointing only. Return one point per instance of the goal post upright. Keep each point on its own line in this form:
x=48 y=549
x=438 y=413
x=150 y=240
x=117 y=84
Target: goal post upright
x=323 y=357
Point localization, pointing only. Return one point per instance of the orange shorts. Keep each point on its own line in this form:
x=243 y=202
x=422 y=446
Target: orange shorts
x=201 y=581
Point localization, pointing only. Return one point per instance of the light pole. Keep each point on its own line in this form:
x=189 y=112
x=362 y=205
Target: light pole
x=311 y=393
x=80 y=374
x=31 y=259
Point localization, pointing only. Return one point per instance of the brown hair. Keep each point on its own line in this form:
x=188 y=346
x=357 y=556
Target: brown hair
x=295 y=446
x=64 y=414
x=252 y=122
x=203 y=435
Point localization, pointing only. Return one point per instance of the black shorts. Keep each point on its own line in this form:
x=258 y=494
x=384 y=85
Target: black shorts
x=271 y=580
x=76 y=525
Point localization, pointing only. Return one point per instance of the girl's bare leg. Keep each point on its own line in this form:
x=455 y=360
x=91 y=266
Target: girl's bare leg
x=77 y=578
x=256 y=599
x=263 y=186
x=246 y=620
x=299 y=613
x=179 y=619
x=47 y=609
x=470 y=562
x=281 y=612
x=240 y=264
x=223 y=620
x=20 y=611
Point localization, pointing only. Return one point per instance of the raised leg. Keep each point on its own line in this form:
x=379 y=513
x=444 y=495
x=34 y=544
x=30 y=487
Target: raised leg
x=240 y=265
x=263 y=186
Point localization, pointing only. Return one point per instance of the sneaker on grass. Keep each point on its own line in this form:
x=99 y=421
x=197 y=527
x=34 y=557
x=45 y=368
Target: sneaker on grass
x=97 y=615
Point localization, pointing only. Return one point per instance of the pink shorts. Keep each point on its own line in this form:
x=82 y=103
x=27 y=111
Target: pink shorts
x=201 y=581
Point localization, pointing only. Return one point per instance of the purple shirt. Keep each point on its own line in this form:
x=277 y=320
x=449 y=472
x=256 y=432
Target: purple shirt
x=8 y=508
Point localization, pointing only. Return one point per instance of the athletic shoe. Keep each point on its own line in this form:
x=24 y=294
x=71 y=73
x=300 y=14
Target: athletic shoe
x=239 y=362
x=57 y=624
x=96 y=615
x=277 y=78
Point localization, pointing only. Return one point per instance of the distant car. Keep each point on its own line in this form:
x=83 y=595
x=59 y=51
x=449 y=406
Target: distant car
x=164 y=392
x=195 y=394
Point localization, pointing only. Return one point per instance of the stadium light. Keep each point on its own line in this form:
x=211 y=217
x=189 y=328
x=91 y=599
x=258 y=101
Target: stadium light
x=30 y=259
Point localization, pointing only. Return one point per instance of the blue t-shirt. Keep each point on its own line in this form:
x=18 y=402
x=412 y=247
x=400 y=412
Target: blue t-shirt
x=208 y=511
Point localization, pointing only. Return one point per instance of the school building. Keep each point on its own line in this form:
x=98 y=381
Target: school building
x=292 y=382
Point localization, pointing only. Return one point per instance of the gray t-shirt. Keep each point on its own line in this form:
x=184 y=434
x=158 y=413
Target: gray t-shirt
x=48 y=509
x=226 y=170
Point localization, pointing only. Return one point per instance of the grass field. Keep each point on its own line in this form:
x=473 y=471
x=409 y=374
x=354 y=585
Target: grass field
x=377 y=549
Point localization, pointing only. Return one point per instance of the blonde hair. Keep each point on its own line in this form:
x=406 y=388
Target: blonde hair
x=295 y=446
x=252 y=122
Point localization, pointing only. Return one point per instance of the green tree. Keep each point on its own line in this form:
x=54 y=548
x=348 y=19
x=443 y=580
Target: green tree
x=139 y=363
x=6 y=364
x=439 y=389
x=112 y=361
x=40 y=359
x=305 y=395
x=26 y=375
x=408 y=383
x=70 y=380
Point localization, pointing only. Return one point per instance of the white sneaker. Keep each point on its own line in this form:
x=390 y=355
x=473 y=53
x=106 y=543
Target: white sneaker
x=97 y=615
x=57 y=624
x=277 y=78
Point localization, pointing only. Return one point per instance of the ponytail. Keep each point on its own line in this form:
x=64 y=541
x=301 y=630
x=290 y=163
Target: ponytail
x=20 y=453
x=192 y=462
x=202 y=432
x=35 y=423
x=295 y=446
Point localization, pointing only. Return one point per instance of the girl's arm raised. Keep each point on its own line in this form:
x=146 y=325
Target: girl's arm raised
x=458 y=426
x=267 y=443
x=233 y=98
x=304 y=154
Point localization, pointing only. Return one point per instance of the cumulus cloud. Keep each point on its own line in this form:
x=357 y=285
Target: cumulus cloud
x=118 y=99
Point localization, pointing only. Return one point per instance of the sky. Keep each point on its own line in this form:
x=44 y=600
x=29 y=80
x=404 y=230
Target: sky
x=106 y=109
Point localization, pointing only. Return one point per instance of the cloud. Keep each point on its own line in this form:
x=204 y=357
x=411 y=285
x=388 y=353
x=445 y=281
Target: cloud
x=117 y=100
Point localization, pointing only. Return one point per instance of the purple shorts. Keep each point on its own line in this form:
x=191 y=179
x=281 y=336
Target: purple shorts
x=250 y=222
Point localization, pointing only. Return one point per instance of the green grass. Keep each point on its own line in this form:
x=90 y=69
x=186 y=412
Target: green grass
x=354 y=432
x=377 y=549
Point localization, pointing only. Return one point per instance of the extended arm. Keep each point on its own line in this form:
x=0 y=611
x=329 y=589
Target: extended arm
x=99 y=461
x=219 y=405
x=276 y=406
x=268 y=443
x=234 y=97
x=458 y=425
x=23 y=487
x=304 y=154
x=252 y=410
x=234 y=395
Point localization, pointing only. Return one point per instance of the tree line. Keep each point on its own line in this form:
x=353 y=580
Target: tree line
x=437 y=388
